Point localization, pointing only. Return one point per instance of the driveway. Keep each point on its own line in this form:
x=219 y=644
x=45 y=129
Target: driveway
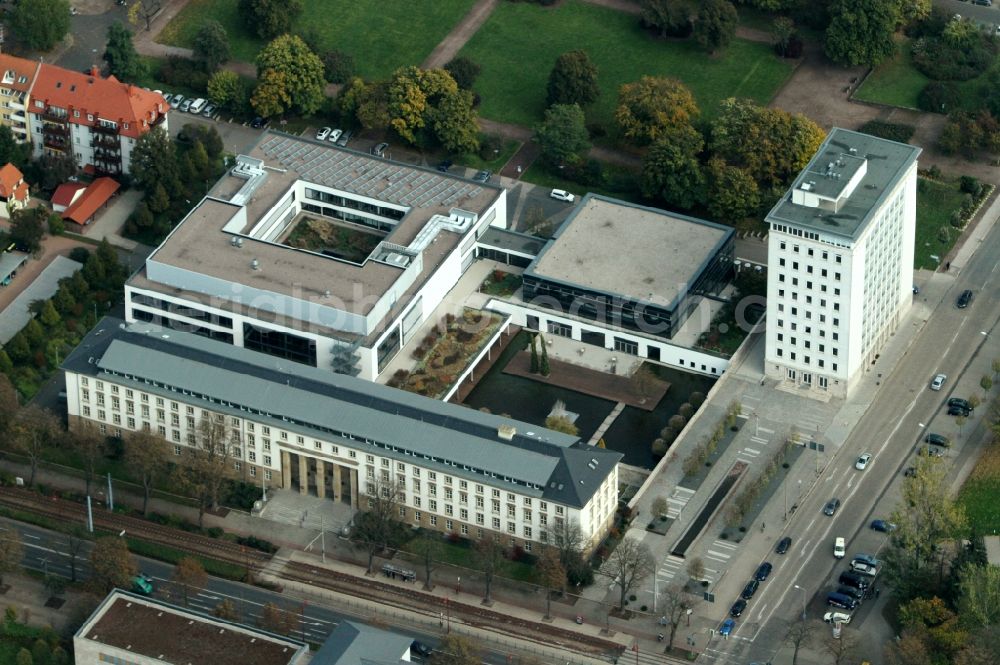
x=89 y=33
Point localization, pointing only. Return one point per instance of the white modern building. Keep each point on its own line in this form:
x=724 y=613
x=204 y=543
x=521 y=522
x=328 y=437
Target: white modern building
x=127 y=629
x=840 y=262
x=235 y=270
x=456 y=470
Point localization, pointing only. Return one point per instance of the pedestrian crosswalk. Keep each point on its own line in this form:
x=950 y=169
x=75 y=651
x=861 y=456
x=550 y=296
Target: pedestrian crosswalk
x=670 y=569
x=719 y=553
x=677 y=500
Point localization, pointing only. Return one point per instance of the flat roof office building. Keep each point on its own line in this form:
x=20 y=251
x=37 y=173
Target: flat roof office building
x=840 y=262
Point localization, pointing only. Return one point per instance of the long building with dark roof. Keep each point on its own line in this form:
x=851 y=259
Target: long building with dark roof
x=457 y=470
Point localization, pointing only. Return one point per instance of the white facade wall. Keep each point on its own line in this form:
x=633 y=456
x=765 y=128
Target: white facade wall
x=468 y=505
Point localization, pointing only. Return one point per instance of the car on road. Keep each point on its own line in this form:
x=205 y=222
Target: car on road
x=185 y=105
x=322 y=133
x=258 y=123
x=839 y=548
x=938 y=381
x=421 y=649
x=958 y=411
x=960 y=403
x=379 y=149
x=837 y=617
x=737 y=608
x=763 y=571
x=562 y=195
x=444 y=165
x=883 y=525
x=727 y=627
x=861 y=557
x=783 y=545
x=344 y=138
x=862 y=462
x=749 y=590
x=938 y=440
x=864 y=569
x=483 y=176
x=830 y=509
x=964 y=300
x=335 y=135
x=142 y=584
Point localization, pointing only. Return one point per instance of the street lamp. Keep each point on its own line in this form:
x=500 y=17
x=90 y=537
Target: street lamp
x=803 y=590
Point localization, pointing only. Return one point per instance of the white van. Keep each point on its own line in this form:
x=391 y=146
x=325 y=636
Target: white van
x=839 y=548
x=197 y=106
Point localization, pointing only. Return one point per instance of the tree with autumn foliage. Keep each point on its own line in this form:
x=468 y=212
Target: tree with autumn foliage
x=427 y=104
x=650 y=106
x=289 y=77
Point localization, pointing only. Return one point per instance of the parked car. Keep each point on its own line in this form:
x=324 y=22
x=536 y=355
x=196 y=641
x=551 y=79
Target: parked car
x=737 y=608
x=837 y=617
x=185 y=105
x=960 y=403
x=964 y=300
x=852 y=592
x=883 y=526
x=864 y=569
x=379 y=150
x=258 y=123
x=749 y=590
x=344 y=138
x=938 y=440
x=783 y=545
x=830 y=509
x=862 y=462
x=209 y=111
x=839 y=548
x=198 y=105
x=854 y=580
x=322 y=133
x=727 y=627
x=444 y=165
x=958 y=411
x=562 y=195
x=836 y=599
x=763 y=571
x=483 y=176
x=938 y=382
x=421 y=649
x=335 y=135
x=861 y=557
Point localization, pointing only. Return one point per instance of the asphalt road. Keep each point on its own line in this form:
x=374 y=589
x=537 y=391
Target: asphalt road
x=978 y=13
x=892 y=429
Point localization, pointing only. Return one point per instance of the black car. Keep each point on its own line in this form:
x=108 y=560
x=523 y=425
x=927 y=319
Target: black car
x=444 y=165
x=937 y=440
x=737 y=608
x=831 y=507
x=421 y=649
x=344 y=138
x=852 y=592
x=958 y=411
x=964 y=300
x=783 y=545
x=960 y=403
x=853 y=579
x=749 y=590
x=258 y=122
x=763 y=570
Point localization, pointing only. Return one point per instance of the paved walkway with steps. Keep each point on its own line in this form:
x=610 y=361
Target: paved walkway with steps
x=615 y=412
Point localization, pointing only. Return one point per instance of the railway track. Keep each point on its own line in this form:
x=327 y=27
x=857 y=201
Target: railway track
x=75 y=513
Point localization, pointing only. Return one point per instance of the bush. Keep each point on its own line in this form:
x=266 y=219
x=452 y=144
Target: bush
x=79 y=254
x=939 y=97
x=893 y=131
x=338 y=67
x=941 y=61
x=489 y=146
x=180 y=71
x=970 y=185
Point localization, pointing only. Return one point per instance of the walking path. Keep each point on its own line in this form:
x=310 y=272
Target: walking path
x=453 y=42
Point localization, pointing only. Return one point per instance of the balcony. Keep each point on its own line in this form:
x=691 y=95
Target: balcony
x=55 y=143
x=53 y=129
x=55 y=116
x=99 y=128
x=105 y=154
x=106 y=142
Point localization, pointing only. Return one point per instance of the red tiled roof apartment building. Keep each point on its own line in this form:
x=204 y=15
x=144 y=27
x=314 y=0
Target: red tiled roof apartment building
x=97 y=120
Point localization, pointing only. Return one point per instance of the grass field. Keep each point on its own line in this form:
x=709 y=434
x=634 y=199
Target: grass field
x=936 y=201
x=980 y=496
x=516 y=60
x=896 y=82
x=381 y=34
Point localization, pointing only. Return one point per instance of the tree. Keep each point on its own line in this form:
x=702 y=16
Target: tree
x=226 y=610
x=211 y=45
x=573 y=80
x=227 y=89
x=669 y=17
x=629 y=564
x=551 y=575
x=75 y=538
x=986 y=383
x=672 y=169
x=365 y=103
x=798 y=633
x=90 y=446
x=861 y=32
x=534 y=355
x=24 y=657
x=926 y=517
x=55 y=169
x=41 y=24
x=456 y=650
x=732 y=192
x=568 y=540
x=842 y=649
x=154 y=162
x=543 y=363
x=427 y=103
x=269 y=18
x=28 y=228
x=57 y=226
x=716 y=25
x=11 y=552
x=464 y=71
x=935 y=624
x=648 y=107
x=9 y=404
x=676 y=603
x=488 y=555
x=34 y=432
x=783 y=31
x=696 y=568
x=338 y=66
x=120 y=54
x=376 y=525
x=979 y=597
x=289 y=76
x=454 y=122
x=659 y=507
x=12 y=150
x=427 y=547
x=561 y=424
x=189 y=577
x=276 y=620
x=563 y=136
x=111 y=565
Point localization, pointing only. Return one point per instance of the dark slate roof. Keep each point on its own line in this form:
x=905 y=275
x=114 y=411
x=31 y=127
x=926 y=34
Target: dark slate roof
x=313 y=402
x=357 y=644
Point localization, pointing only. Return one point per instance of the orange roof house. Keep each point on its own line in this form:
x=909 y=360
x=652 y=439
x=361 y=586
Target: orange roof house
x=83 y=210
x=13 y=189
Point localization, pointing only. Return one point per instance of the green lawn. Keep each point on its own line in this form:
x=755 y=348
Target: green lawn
x=520 y=42
x=381 y=34
x=980 y=492
x=936 y=201
x=896 y=82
